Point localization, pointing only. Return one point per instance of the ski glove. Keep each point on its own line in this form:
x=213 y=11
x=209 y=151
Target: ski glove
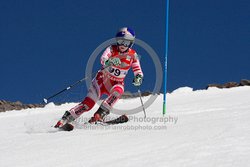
x=137 y=80
x=113 y=61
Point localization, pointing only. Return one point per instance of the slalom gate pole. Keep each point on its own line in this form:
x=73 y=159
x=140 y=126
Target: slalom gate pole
x=139 y=92
x=166 y=59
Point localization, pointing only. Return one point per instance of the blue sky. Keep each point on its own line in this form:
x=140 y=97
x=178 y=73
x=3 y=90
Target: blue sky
x=45 y=45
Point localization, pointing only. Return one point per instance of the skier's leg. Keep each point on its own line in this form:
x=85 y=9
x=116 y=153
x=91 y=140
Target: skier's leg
x=86 y=105
x=115 y=94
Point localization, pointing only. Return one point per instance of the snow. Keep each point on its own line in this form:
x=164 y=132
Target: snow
x=202 y=128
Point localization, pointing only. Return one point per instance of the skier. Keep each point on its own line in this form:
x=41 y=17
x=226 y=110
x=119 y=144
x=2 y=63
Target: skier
x=116 y=60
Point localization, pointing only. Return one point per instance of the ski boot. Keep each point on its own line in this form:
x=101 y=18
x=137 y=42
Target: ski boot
x=64 y=122
x=99 y=115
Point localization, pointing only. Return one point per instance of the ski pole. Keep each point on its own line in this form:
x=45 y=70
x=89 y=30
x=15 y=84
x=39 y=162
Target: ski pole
x=68 y=88
x=139 y=92
x=45 y=100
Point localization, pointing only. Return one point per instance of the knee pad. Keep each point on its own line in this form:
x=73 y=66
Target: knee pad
x=119 y=89
x=86 y=105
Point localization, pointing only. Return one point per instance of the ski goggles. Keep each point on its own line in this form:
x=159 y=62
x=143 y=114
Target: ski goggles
x=125 y=43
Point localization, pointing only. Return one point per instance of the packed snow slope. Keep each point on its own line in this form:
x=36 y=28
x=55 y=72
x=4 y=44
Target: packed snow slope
x=205 y=128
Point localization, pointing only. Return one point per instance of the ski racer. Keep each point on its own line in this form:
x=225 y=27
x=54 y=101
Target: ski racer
x=116 y=61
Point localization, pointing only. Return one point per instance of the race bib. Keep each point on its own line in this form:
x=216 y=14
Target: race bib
x=116 y=72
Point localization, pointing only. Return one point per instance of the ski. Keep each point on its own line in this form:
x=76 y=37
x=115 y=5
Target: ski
x=121 y=119
x=66 y=127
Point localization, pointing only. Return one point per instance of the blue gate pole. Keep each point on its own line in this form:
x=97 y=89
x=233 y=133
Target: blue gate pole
x=166 y=59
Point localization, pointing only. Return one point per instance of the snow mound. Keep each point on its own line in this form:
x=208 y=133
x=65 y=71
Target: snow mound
x=183 y=90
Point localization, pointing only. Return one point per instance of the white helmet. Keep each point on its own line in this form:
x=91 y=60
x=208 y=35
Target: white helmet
x=125 y=34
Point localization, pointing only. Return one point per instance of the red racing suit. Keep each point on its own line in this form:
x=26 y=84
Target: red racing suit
x=109 y=80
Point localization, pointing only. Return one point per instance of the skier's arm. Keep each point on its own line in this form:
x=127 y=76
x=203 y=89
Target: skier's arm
x=136 y=66
x=105 y=56
x=107 y=60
